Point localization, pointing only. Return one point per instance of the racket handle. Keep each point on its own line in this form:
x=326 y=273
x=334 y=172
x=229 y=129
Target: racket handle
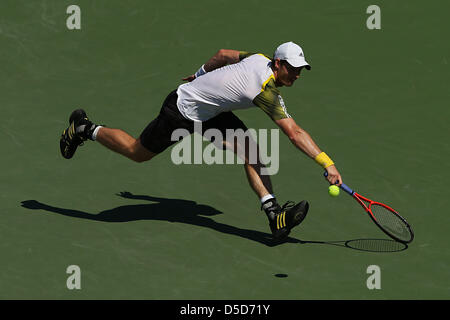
x=347 y=189
x=343 y=186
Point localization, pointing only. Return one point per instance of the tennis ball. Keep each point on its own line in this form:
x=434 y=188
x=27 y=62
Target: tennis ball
x=333 y=190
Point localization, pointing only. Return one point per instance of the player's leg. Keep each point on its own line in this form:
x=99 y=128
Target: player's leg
x=121 y=142
x=260 y=184
x=281 y=218
x=253 y=166
x=154 y=139
x=248 y=150
x=237 y=138
x=82 y=129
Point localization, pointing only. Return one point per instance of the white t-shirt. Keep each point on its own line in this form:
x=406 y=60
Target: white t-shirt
x=242 y=85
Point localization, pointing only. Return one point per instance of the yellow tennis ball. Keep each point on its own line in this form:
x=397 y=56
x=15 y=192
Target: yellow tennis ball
x=333 y=190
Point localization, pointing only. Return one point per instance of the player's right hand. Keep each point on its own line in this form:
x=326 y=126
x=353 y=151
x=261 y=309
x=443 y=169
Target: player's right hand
x=333 y=176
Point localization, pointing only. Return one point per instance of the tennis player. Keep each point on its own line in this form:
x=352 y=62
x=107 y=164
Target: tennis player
x=228 y=81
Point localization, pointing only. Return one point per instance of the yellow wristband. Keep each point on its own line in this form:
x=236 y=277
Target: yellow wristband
x=324 y=160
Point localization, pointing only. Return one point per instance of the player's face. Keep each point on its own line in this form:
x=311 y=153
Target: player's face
x=287 y=74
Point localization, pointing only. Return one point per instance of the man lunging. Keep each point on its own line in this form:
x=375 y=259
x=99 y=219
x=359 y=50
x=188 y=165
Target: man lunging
x=229 y=81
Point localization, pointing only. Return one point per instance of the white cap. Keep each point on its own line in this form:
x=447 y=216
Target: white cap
x=292 y=53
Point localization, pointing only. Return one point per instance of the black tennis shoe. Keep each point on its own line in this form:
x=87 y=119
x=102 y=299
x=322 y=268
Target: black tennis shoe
x=283 y=219
x=79 y=130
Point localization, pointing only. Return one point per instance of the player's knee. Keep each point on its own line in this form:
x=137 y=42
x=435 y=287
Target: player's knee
x=139 y=154
x=138 y=159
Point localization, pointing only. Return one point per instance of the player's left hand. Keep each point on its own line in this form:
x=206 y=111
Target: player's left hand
x=190 y=78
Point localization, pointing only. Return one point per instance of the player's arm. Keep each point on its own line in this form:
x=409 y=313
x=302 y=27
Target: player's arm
x=220 y=59
x=303 y=141
x=270 y=101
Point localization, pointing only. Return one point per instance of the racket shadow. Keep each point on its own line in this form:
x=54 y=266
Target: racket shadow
x=367 y=245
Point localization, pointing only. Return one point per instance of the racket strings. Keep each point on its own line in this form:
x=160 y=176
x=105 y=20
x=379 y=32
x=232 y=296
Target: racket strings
x=391 y=222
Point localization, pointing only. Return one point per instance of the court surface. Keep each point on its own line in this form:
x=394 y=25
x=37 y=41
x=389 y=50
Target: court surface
x=375 y=100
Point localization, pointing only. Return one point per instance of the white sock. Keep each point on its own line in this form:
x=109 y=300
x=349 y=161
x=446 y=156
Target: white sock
x=94 y=134
x=267 y=197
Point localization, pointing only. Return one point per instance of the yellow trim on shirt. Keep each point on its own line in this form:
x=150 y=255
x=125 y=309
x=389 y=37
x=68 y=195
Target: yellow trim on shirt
x=261 y=54
x=266 y=82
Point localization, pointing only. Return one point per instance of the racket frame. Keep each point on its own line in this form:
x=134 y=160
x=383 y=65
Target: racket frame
x=360 y=199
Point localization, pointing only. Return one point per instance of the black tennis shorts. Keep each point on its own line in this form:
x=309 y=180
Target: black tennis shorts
x=156 y=137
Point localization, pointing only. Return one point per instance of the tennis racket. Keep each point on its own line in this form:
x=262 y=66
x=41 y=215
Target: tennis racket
x=386 y=218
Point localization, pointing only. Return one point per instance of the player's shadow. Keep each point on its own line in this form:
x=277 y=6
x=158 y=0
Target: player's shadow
x=173 y=210
x=189 y=212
